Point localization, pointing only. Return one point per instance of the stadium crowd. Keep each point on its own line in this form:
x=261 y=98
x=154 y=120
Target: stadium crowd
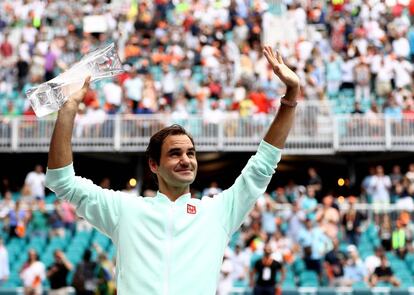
x=204 y=57
x=294 y=229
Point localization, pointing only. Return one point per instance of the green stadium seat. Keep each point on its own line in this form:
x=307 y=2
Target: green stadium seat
x=240 y=284
x=298 y=266
x=360 y=286
x=308 y=279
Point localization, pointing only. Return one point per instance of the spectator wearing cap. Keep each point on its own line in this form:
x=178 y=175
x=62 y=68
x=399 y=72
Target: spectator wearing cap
x=354 y=270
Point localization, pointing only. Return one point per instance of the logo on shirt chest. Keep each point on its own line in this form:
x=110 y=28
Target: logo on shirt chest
x=191 y=209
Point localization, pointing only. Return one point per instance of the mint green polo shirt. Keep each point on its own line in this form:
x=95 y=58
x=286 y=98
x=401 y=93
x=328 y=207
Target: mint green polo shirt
x=165 y=247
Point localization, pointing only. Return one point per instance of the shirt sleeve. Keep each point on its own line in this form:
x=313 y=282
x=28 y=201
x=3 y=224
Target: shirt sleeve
x=98 y=206
x=236 y=202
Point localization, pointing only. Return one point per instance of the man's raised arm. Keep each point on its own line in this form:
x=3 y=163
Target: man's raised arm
x=240 y=198
x=281 y=125
x=60 y=151
x=99 y=207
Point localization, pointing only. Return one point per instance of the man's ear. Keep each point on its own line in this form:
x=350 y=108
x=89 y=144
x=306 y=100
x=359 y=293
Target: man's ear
x=153 y=166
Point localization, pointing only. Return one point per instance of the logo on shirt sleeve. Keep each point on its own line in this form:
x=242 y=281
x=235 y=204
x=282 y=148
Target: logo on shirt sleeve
x=191 y=209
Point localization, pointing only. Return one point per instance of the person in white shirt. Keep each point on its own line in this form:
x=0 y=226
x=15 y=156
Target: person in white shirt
x=133 y=88
x=373 y=261
x=380 y=185
x=36 y=182
x=113 y=95
x=402 y=72
x=33 y=274
x=401 y=46
x=168 y=84
x=4 y=263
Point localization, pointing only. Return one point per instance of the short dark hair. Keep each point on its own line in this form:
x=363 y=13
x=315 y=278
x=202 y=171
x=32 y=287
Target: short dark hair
x=153 y=151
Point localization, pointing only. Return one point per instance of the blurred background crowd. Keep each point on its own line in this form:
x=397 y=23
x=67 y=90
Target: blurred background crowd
x=205 y=57
x=314 y=236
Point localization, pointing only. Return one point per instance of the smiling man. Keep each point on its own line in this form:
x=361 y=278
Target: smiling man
x=170 y=244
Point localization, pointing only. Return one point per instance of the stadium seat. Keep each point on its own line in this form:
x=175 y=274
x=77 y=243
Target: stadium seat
x=298 y=266
x=308 y=279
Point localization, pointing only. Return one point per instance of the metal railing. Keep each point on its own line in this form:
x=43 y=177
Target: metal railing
x=316 y=131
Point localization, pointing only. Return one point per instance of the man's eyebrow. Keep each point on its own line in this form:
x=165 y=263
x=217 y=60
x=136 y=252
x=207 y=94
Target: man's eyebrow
x=173 y=150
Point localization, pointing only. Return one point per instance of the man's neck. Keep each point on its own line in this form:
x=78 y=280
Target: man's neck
x=174 y=193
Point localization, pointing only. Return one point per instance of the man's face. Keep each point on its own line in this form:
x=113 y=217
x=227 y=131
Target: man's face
x=178 y=163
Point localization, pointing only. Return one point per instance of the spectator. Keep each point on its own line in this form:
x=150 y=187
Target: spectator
x=352 y=222
x=57 y=274
x=354 y=270
x=383 y=86
x=333 y=74
x=113 y=96
x=269 y=219
x=104 y=275
x=212 y=190
x=410 y=173
x=315 y=244
x=362 y=77
x=84 y=279
x=36 y=181
x=4 y=263
x=7 y=204
x=282 y=247
x=357 y=109
x=328 y=217
x=33 y=274
x=398 y=240
x=315 y=181
x=39 y=220
x=334 y=264
x=240 y=262
x=366 y=190
x=374 y=261
x=308 y=203
x=17 y=220
x=133 y=88
x=380 y=184
x=383 y=273
x=226 y=280
x=385 y=231
x=396 y=175
x=68 y=216
x=263 y=275
x=295 y=218
x=56 y=220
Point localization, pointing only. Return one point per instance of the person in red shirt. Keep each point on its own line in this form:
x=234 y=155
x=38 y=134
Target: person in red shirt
x=259 y=98
x=6 y=49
